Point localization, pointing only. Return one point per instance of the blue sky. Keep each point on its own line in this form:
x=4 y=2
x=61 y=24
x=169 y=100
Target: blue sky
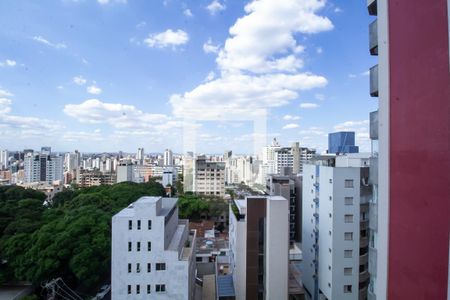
x=122 y=74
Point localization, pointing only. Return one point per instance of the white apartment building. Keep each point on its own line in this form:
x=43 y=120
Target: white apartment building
x=43 y=168
x=259 y=247
x=152 y=252
x=293 y=158
x=336 y=195
x=125 y=171
x=209 y=177
x=168 y=158
x=4 y=156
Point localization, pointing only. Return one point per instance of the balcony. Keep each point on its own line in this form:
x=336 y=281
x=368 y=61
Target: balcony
x=363 y=259
x=363 y=294
x=364 y=276
x=373 y=37
x=363 y=224
x=363 y=242
x=373 y=261
x=373 y=216
x=374 y=81
x=372 y=7
x=374 y=125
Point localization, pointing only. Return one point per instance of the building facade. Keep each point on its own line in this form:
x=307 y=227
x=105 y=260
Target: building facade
x=209 y=177
x=410 y=135
x=152 y=252
x=342 y=142
x=336 y=197
x=43 y=168
x=259 y=247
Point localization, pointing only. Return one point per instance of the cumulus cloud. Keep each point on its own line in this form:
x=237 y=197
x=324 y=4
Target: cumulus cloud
x=168 y=38
x=79 y=80
x=215 y=6
x=361 y=129
x=8 y=63
x=307 y=105
x=44 y=41
x=291 y=118
x=290 y=126
x=188 y=13
x=210 y=76
x=94 y=111
x=209 y=47
x=105 y=2
x=255 y=76
x=94 y=90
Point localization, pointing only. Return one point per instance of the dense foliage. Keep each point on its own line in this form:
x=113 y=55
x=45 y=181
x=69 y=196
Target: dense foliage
x=70 y=238
x=193 y=207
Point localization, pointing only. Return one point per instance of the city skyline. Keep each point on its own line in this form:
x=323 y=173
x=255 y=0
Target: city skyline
x=102 y=76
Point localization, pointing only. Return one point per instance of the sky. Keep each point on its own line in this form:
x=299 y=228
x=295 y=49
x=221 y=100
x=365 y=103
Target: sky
x=110 y=75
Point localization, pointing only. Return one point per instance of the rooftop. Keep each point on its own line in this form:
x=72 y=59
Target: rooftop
x=225 y=286
x=166 y=205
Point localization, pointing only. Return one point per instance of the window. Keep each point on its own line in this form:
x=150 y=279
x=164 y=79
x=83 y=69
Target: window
x=149 y=267
x=129 y=268
x=139 y=224
x=348 y=253
x=129 y=289
x=148 y=289
x=331 y=180
x=138 y=268
x=330 y=215
x=329 y=250
x=149 y=246
x=129 y=246
x=130 y=224
x=348 y=183
x=349 y=236
x=138 y=246
x=329 y=232
x=160 y=288
x=348 y=218
x=348 y=200
x=348 y=271
x=329 y=284
x=149 y=224
x=329 y=268
x=138 y=289
x=347 y=288
x=331 y=198
x=160 y=266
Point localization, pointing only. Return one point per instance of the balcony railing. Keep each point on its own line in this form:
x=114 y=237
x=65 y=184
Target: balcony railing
x=363 y=259
x=363 y=276
x=363 y=242
x=374 y=125
x=373 y=37
x=374 y=81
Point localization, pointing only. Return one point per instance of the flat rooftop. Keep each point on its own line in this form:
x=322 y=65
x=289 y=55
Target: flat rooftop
x=166 y=206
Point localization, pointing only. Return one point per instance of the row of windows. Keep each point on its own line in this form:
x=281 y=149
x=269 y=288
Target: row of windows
x=347 y=288
x=159 y=288
x=130 y=224
x=159 y=267
x=138 y=246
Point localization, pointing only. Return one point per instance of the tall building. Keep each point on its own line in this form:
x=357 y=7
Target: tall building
x=87 y=178
x=289 y=187
x=152 y=252
x=140 y=155
x=43 y=167
x=410 y=140
x=209 y=177
x=292 y=158
x=342 y=142
x=259 y=247
x=125 y=171
x=335 y=237
x=4 y=156
x=168 y=158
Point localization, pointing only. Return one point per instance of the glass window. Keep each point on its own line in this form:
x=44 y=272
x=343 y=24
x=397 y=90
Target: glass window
x=347 y=288
x=348 y=253
x=129 y=246
x=148 y=289
x=349 y=236
x=129 y=289
x=348 y=218
x=149 y=224
x=138 y=246
x=348 y=200
x=139 y=224
x=149 y=267
x=130 y=224
x=138 y=268
x=348 y=271
x=348 y=183
x=149 y=246
x=160 y=266
x=129 y=268
x=138 y=289
x=160 y=288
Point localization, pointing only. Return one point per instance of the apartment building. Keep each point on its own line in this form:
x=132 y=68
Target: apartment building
x=88 y=178
x=336 y=196
x=152 y=252
x=259 y=247
x=125 y=171
x=410 y=135
x=43 y=167
x=292 y=158
x=209 y=177
x=289 y=187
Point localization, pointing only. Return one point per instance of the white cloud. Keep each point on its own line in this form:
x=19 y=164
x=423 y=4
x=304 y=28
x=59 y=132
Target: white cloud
x=167 y=38
x=290 y=126
x=209 y=47
x=365 y=73
x=44 y=41
x=121 y=116
x=76 y=136
x=291 y=118
x=319 y=50
x=309 y=105
x=79 y=80
x=255 y=76
x=361 y=129
x=211 y=75
x=276 y=23
x=104 y=2
x=95 y=90
x=215 y=6
x=337 y=10
x=5 y=105
x=320 y=97
x=351 y=75
x=188 y=13
x=313 y=131
x=8 y=63
x=60 y=87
